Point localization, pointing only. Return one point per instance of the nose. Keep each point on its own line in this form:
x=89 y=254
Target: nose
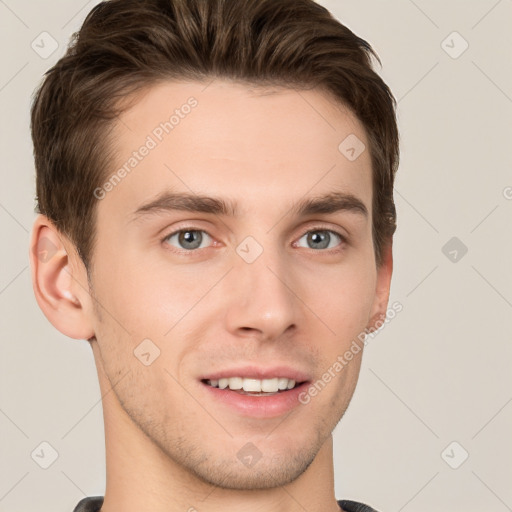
x=262 y=301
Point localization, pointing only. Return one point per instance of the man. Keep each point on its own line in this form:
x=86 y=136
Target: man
x=215 y=199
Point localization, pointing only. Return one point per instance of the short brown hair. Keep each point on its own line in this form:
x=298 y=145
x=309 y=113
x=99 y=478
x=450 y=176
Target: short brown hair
x=126 y=45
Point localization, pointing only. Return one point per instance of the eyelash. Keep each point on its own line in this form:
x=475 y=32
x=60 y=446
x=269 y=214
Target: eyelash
x=338 y=248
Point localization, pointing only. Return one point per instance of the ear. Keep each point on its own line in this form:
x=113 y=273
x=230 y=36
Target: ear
x=380 y=302
x=59 y=280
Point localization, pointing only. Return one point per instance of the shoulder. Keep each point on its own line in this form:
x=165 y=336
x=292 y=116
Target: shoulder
x=353 y=506
x=90 y=504
x=94 y=503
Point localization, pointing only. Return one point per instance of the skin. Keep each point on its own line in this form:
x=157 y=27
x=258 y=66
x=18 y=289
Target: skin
x=168 y=445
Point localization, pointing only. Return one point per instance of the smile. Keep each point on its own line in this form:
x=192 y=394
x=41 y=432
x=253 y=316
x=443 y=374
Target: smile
x=256 y=387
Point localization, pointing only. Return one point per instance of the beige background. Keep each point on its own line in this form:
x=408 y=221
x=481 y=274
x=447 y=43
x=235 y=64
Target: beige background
x=438 y=373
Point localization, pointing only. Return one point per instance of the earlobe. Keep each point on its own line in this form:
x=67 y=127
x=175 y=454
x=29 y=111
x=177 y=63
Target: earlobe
x=383 y=284
x=59 y=280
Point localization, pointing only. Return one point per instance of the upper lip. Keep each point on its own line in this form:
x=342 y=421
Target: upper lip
x=258 y=372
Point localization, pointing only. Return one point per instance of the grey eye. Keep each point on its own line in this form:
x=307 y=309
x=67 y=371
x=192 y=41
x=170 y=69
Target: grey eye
x=320 y=239
x=189 y=239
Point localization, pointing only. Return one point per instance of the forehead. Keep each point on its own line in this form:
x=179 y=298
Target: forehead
x=253 y=145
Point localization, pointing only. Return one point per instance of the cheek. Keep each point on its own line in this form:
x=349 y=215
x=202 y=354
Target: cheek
x=140 y=303
x=141 y=299
x=341 y=296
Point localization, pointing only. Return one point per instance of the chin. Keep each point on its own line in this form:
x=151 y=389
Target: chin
x=266 y=473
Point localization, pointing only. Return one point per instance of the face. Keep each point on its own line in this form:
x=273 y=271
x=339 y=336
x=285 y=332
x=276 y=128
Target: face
x=236 y=250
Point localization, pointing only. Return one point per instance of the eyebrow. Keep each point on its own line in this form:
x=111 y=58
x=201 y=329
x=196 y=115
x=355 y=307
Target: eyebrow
x=332 y=202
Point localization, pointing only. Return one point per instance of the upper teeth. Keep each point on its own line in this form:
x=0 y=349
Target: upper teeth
x=254 y=385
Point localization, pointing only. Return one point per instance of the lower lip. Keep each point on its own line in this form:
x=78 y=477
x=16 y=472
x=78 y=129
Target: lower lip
x=258 y=406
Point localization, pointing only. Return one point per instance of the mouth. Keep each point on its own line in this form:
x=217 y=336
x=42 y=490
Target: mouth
x=256 y=392
x=254 y=387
